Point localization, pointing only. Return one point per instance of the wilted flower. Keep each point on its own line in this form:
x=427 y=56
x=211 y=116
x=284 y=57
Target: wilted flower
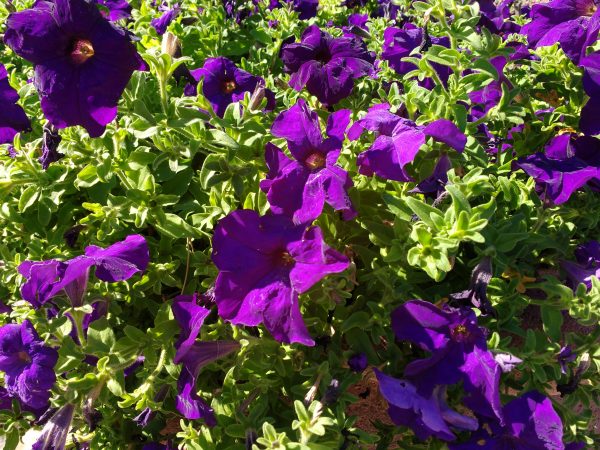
x=160 y=24
x=358 y=362
x=477 y=292
x=587 y=265
x=530 y=422
x=194 y=356
x=568 y=163
x=238 y=10
x=224 y=83
x=458 y=351
x=50 y=143
x=13 y=119
x=117 y=9
x=426 y=415
x=147 y=414
x=300 y=187
x=507 y=362
x=574 y=24
x=399 y=141
x=28 y=364
x=119 y=262
x=82 y=61
x=327 y=66
x=54 y=434
x=564 y=357
x=264 y=263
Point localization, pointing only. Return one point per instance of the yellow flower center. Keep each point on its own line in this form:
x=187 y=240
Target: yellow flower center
x=315 y=160
x=229 y=86
x=82 y=51
x=286 y=259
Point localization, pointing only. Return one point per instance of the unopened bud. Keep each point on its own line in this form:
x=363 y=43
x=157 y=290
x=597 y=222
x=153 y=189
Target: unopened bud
x=171 y=45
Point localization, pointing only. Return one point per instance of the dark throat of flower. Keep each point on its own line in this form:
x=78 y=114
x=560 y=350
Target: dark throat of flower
x=229 y=86
x=460 y=333
x=587 y=8
x=315 y=160
x=323 y=55
x=23 y=356
x=81 y=51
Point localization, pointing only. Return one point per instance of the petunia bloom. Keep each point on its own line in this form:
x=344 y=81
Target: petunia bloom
x=82 y=61
x=161 y=23
x=115 y=9
x=13 y=119
x=54 y=434
x=400 y=43
x=399 y=141
x=118 y=262
x=477 y=292
x=300 y=187
x=264 y=263
x=238 y=10
x=574 y=24
x=50 y=142
x=568 y=163
x=28 y=364
x=327 y=66
x=588 y=122
x=530 y=422
x=458 y=352
x=306 y=9
x=224 y=83
x=193 y=356
x=426 y=415
x=588 y=265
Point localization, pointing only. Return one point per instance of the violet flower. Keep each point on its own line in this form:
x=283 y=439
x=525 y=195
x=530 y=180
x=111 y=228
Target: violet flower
x=400 y=43
x=588 y=122
x=225 y=83
x=588 y=265
x=118 y=262
x=530 y=422
x=194 y=356
x=568 y=163
x=299 y=187
x=161 y=23
x=399 y=141
x=13 y=119
x=497 y=17
x=357 y=26
x=358 y=362
x=477 y=292
x=306 y=9
x=458 y=351
x=50 y=142
x=82 y=62
x=435 y=185
x=54 y=434
x=238 y=10
x=426 y=415
x=574 y=24
x=28 y=364
x=117 y=9
x=147 y=414
x=327 y=66
x=565 y=356
x=264 y=263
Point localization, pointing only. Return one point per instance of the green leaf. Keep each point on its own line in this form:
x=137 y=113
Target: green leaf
x=100 y=337
x=28 y=198
x=424 y=211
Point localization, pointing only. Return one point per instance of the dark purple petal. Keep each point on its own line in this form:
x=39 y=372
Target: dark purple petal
x=122 y=260
x=13 y=119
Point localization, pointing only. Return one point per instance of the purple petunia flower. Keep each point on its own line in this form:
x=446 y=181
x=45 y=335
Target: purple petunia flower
x=13 y=119
x=565 y=356
x=497 y=17
x=54 y=434
x=327 y=66
x=357 y=26
x=400 y=43
x=117 y=9
x=427 y=415
x=458 y=351
x=147 y=414
x=588 y=122
x=50 y=142
x=161 y=23
x=306 y=9
x=399 y=141
x=530 y=422
x=587 y=265
x=225 y=83
x=568 y=163
x=82 y=62
x=358 y=362
x=194 y=356
x=238 y=10
x=28 y=364
x=574 y=24
x=119 y=262
x=477 y=292
x=264 y=263
x=387 y=9
x=300 y=187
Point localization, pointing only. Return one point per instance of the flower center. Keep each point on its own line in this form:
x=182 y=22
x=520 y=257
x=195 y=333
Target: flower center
x=23 y=356
x=229 y=86
x=460 y=333
x=82 y=51
x=315 y=160
x=586 y=8
x=323 y=55
x=285 y=259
